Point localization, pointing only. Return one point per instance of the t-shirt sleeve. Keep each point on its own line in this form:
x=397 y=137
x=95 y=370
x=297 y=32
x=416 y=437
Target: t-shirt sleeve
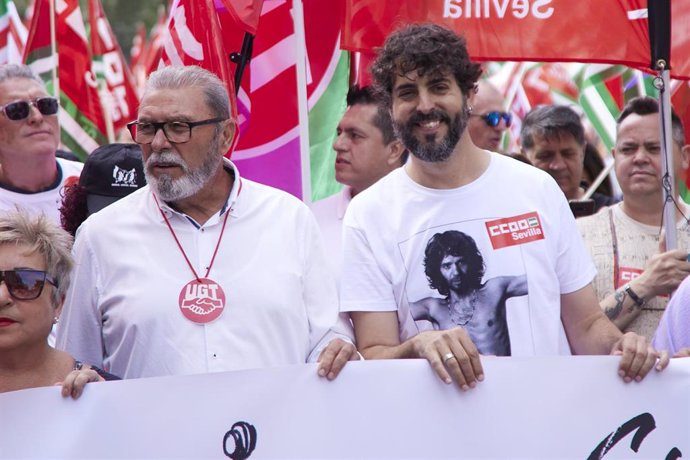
x=574 y=266
x=365 y=285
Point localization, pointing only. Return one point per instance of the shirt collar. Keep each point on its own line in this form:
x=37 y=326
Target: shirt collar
x=344 y=200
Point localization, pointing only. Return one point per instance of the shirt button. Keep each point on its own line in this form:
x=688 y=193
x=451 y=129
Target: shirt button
x=203 y=229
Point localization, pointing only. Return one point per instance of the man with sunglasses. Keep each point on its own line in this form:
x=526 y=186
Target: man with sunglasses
x=31 y=176
x=201 y=270
x=488 y=120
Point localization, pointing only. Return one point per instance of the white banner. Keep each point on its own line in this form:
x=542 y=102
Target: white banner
x=536 y=408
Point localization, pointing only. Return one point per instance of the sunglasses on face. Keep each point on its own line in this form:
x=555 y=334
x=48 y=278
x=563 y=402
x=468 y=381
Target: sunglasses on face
x=19 y=110
x=25 y=283
x=494 y=118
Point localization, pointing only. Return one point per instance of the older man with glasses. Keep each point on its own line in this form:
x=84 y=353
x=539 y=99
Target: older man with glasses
x=31 y=177
x=201 y=270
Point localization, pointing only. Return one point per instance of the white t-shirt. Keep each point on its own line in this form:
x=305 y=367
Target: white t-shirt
x=329 y=214
x=520 y=223
x=122 y=311
x=46 y=202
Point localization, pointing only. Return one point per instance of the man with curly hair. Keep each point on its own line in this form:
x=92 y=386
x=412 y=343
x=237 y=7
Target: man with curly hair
x=454 y=267
x=515 y=213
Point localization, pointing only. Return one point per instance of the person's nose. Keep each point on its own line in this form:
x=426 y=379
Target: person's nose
x=160 y=141
x=425 y=102
x=557 y=163
x=641 y=155
x=5 y=297
x=340 y=143
x=35 y=115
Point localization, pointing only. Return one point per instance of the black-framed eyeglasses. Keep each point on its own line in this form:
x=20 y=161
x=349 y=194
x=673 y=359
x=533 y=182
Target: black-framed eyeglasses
x=494 y=118
x=25 y=283
x=19 y=110
x=176 y=132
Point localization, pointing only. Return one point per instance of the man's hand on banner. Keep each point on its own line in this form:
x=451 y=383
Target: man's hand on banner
x=334 y=357
x=637 y=357
x=452 y=354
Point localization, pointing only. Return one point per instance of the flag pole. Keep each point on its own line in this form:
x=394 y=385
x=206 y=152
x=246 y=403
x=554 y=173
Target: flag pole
x=53 y=50
x=302 y=101
x=659 y=22
x=242 y=59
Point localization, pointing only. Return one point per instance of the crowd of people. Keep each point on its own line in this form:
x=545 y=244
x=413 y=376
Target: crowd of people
x=439 y=247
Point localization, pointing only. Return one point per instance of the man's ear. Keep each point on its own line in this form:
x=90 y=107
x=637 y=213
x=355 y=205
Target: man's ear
x=685 y=156
x=469 y=99
x=227 y=135
x=395 y=151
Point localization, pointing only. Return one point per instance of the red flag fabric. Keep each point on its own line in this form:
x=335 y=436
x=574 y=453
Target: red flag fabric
x=138 y=45
x=81 y=116
x=120 y=96
x=246 y=12
x=541 y=30
x=194 y=38
x=13 y=33
x=152 y=53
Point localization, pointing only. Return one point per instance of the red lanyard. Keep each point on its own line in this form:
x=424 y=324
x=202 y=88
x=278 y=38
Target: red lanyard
x=215 y=251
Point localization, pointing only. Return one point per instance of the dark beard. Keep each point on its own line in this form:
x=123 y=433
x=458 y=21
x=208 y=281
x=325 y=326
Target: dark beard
x=432 y=151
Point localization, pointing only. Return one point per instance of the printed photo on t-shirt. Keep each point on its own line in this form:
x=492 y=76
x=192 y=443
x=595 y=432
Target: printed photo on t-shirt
x=456 y=278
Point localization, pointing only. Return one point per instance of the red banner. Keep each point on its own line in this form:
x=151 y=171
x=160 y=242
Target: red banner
x=527 y=30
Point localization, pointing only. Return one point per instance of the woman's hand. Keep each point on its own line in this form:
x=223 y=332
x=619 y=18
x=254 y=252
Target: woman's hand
x=74 y=383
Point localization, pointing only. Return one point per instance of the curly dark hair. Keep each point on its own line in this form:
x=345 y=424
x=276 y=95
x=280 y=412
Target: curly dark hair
x=73 y=210
x=453 y=243
x=428 y=49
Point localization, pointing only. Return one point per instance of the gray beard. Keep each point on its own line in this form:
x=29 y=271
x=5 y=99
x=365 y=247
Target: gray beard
x=191 y=182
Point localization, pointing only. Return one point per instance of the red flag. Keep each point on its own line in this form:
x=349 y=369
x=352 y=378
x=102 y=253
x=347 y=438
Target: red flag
x=119 y=96
x=136 y=52
x=524 y=31
x=246 y=12
x=194 y=38
x=81 y=116
x=152 y=53
x=13 y=33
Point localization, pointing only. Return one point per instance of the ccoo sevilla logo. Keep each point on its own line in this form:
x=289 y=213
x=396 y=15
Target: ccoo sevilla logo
x=202 y=301
x=511 y=231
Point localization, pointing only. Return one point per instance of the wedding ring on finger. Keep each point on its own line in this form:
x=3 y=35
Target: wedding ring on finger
x=448 y=356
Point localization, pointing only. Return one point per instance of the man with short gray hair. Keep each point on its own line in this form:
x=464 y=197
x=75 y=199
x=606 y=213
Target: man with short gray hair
x=201 y=270
x=31 y=177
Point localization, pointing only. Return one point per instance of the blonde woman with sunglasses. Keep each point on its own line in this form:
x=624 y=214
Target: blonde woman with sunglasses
x=35 y=266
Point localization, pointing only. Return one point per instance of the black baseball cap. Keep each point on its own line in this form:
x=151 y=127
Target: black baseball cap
x=111 y=172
